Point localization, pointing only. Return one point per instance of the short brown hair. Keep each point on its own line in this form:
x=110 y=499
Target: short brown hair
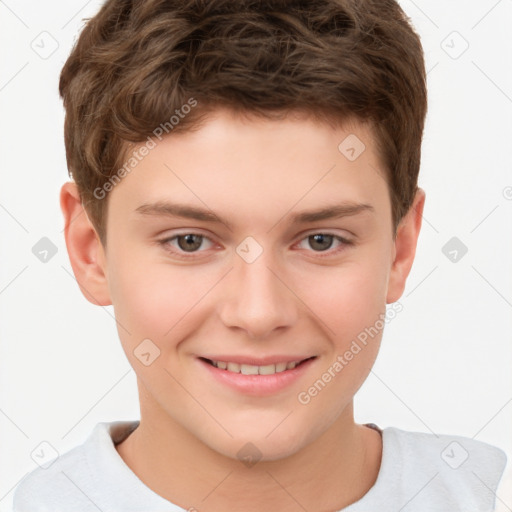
x=137 y=61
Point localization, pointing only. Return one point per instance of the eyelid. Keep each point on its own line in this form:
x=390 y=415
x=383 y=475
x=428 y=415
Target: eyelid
x=347 y=235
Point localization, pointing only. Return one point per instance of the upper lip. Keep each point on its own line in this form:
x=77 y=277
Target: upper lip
x=257 y=361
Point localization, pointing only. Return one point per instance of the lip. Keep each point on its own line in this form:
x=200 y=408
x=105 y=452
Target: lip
x=257 y=385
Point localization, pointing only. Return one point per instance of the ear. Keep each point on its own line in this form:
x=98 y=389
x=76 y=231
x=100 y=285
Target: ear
x=405 y=247
x=85 y=250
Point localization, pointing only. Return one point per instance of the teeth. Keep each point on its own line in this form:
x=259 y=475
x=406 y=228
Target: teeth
x=249 y=369
x=233 y=367
x=269 y=369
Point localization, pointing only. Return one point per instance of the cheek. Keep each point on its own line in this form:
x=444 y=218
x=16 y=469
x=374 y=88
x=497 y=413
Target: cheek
x=139 y=297
x=156 y=300
x=348 y=298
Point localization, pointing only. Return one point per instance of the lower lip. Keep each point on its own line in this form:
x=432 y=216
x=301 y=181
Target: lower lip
x=257 y=385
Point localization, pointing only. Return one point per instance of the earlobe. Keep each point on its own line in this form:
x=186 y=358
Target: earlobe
x=405 y=247
x=85 y=250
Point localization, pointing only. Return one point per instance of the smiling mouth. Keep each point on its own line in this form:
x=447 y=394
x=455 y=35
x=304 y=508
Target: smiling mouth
x=249 y=369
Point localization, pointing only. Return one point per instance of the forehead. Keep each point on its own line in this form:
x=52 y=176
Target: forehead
x=253 y=166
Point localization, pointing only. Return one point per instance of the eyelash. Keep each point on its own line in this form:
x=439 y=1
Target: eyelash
x=322 y=254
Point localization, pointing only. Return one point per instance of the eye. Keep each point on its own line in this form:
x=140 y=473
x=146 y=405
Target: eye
x=322 y=242
x=186 y=243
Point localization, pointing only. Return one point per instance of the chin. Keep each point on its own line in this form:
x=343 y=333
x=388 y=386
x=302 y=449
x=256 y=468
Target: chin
x=261 y=446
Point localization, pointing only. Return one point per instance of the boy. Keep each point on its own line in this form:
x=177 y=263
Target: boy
x=245 y=196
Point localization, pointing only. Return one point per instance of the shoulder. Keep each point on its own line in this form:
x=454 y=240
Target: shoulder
x=452 y=471
x=43 y=489
x=62 y=483
x=444 y=450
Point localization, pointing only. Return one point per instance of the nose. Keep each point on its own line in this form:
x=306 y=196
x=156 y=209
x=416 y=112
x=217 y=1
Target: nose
x=257 y=299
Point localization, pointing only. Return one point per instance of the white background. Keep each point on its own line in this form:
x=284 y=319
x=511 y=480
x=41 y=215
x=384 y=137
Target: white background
x=445 y=363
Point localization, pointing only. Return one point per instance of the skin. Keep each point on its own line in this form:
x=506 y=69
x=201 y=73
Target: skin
x=293 y=299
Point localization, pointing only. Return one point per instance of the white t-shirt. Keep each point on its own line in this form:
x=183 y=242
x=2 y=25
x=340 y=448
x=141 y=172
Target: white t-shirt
x=419 y=473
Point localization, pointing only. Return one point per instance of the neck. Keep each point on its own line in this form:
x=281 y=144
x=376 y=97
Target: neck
x=332 y=472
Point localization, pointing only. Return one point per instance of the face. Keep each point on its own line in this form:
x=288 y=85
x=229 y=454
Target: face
x=255 y=283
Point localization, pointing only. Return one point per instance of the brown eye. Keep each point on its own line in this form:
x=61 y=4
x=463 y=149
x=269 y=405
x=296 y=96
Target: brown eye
x=320 y=241
x=189 y=242
x=186 y=244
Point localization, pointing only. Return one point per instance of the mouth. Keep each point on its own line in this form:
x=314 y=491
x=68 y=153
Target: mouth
x=253 y=369
x=257 y=377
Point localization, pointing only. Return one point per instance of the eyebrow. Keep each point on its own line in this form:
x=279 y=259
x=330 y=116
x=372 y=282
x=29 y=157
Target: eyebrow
x=168 y=209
